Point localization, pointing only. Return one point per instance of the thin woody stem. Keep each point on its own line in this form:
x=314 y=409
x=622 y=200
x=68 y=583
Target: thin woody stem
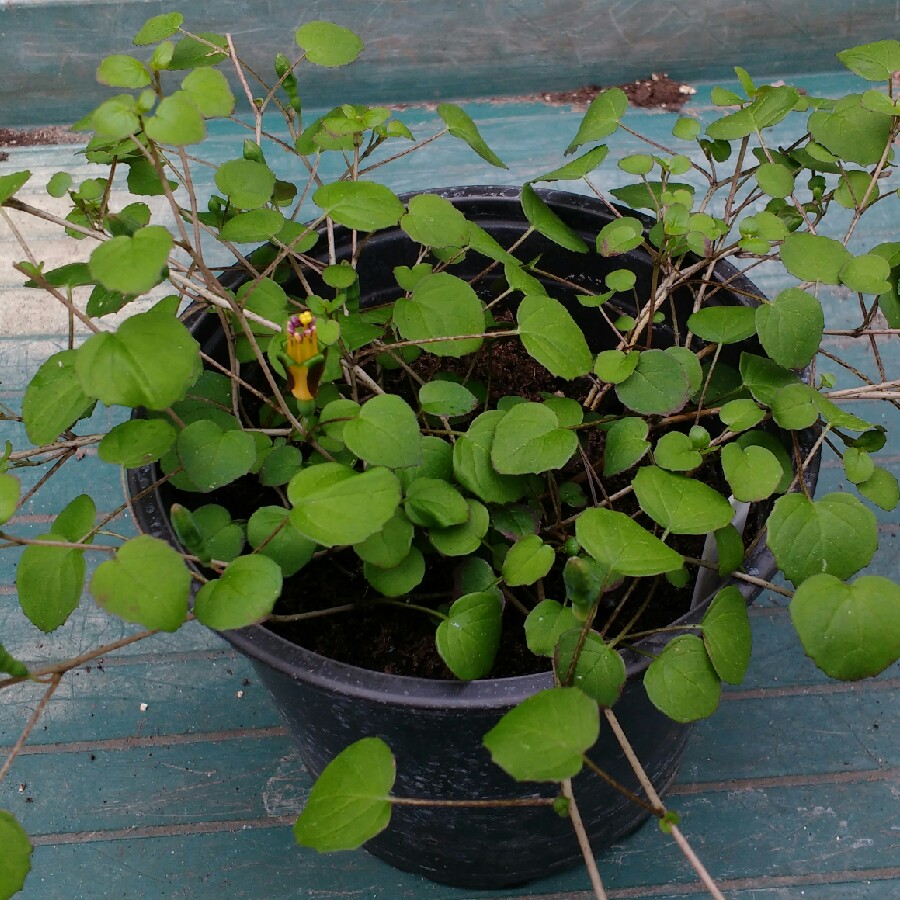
x=583 y=842
x=658 y=806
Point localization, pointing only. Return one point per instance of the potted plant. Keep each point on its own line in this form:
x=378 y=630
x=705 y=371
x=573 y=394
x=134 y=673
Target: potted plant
x=466 y=471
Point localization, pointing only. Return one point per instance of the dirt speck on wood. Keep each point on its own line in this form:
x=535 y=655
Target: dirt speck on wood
x=656 y=92
x=48 y=135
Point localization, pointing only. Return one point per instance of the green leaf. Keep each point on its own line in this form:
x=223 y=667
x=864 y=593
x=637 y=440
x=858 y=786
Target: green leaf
x=544 y=625
x=739 y=415
x=158 y=29
x=776 y=448
x=461 y=126
x=552 y=337
x=398 y=580
x=790 y=328
x=813 y=257
x=191 y=53
x=545 y=736
x=222 y=538
x=850 y=631
x=461 y=540
x=327 y=44
x=9 y=184
x=350 y=802
x=54 y=399
x=122 y=71
x=626 y=444
x=775 y=180
x=622 y=545
x=527 y=561
x=599 y=671
x=795 y=406
x=270 y=533
x=548 y=223
x=49 y=581
x=433 y=503
x=11 y=666
x=389 y=546
x=771 y=105
x=723 y=324
x=150 y=361
x=686 y=128
x=867 y=274
x=442 y=306
x=333 y=505
x=858 y=465
x=245 y=593
x=615 y=366
x=680 y=504
x=675 y=452
x=730 y=549
x=446 y=398
x=76 y=519
x=881 y=488
x=659 y=385
x=434 y=221
x=10 y=488
x=528 y=439
x=177 y=121
x=147 y=583
x=137 y=442
x=59 y=184
x=753 y=473
x=113 y=119
x=874 y=62
x=601 y=118
x=853 y=187
x=578 y=168
x=764 y=378
x=681 y=682
x=385 y=432
x=16 y=862
x=727 y=635
x=851 y=131
x=468 y=638
x=620 y=236
x=836 y=535
x=133 y=265
x=649 y=194
x=252 y=226
x=213 y=456
x=247 y=183
x=472 y=462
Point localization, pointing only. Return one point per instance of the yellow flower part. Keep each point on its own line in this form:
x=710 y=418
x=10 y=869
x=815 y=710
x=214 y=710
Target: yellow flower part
x=302 y=346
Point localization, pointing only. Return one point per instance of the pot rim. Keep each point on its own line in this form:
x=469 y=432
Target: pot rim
x=265 y=646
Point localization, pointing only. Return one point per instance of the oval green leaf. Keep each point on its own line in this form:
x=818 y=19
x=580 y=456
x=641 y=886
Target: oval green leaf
x=147 y=582
x=545 y=736
x=681 y=682
x=350 y=802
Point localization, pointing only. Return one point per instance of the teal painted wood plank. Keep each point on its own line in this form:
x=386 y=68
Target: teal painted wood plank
x=784 y=837
x=89 y=628
x=493 y=48
x=189 y=694
x=150 y=787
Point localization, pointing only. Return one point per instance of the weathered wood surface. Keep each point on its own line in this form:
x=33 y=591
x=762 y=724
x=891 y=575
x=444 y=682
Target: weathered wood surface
x=791 y=789
x=417 y=50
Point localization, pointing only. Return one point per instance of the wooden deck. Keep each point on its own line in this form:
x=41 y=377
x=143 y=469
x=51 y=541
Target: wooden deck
x=164 y=772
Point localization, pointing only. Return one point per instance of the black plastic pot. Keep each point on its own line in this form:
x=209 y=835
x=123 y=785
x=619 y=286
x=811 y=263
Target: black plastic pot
x=435 y=728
